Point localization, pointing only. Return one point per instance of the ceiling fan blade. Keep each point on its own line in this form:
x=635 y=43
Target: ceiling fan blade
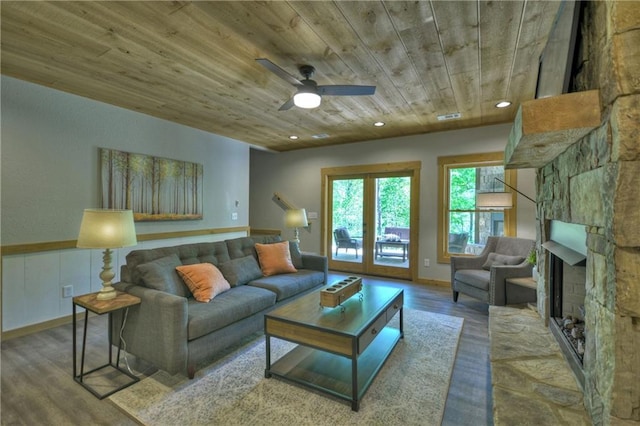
x=278 y=71
x=287 y=105
x=346 y=90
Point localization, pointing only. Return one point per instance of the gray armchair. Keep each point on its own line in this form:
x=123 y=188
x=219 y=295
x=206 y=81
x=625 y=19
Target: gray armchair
x=483 y=276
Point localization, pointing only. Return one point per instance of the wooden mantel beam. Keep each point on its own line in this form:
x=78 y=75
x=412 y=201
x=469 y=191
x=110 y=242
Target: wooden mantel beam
x=545 y=128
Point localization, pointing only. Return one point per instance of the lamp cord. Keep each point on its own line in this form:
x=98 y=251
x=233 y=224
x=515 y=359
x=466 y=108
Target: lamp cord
x=506 y=184
x=123 y=344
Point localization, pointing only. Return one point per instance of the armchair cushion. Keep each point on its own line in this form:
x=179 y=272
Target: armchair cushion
x=501 y=259
x=477 y=278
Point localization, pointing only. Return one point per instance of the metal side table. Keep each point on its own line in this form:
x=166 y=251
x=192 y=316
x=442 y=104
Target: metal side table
x=100 y=307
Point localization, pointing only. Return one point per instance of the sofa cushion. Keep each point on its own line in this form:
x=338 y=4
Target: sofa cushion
x=214 y=253
x=275 y=258
x=294 y=248
x=266 y=239
x=204 y=280
x=161 y=274
x=288 y=285
x=478 y=278
x=501 y=259
x=296 y=255
x=245 y=246
x=240 y=271
x=228 y=307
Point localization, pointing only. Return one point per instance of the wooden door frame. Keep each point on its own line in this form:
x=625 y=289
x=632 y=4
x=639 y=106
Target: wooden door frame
x=410 y=167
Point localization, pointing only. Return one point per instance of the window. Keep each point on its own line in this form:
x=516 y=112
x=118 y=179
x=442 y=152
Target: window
x=462 y=227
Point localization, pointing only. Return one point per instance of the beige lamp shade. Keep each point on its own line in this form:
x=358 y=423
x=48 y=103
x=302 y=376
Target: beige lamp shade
x=102 y=228
x=494 y=200
x=296 y=218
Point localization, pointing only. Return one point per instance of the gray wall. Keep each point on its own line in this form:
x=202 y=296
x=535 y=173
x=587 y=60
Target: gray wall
x=296 y=176
x=50 y=162
x=50 y=173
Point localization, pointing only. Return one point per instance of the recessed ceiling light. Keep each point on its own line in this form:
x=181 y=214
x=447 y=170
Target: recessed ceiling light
x=503 y=104
x=378 y=124
x=293 y=137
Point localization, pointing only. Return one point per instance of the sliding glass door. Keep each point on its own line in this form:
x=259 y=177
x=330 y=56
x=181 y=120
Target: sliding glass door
x=370 y=216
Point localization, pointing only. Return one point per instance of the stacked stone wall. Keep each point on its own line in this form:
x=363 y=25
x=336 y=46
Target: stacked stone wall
x=596 y=182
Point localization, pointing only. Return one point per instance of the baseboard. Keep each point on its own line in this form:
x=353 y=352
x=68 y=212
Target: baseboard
x=429 y=281
x=41 y=326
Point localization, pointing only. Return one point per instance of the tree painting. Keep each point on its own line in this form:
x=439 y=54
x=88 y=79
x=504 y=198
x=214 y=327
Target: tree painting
x=154 y=188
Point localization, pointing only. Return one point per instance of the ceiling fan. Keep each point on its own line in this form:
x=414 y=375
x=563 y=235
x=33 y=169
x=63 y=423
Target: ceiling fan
x=309 y=93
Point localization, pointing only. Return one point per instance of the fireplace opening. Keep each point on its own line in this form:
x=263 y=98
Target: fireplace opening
x=568 y=291
x=567 y=278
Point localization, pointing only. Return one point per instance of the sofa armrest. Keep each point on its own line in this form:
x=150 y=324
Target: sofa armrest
x=316 y=262
x=156 y=329
x=499 y=275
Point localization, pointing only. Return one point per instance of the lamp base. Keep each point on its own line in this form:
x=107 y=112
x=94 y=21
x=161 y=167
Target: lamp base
x=106 y=293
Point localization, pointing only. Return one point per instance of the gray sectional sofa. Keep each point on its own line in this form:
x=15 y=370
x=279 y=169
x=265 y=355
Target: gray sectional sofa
x=178 y=334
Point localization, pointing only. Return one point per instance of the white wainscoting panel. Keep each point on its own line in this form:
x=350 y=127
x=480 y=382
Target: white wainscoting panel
x=14 y=299
x=32 y=284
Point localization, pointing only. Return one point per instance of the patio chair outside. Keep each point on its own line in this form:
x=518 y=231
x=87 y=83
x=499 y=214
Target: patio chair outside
x=344 y=240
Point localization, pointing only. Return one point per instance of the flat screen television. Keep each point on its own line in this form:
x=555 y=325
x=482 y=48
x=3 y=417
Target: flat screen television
x=557 y=59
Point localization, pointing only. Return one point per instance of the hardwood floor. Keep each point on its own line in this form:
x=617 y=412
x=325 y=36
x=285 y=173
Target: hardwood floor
x=37 y=387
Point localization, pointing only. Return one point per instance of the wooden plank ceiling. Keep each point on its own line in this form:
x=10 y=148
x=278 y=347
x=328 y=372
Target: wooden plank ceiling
x=194 y=62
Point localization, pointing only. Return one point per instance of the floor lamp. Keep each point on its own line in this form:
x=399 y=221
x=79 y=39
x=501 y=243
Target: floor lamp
x=106 y=229
x=498 y=200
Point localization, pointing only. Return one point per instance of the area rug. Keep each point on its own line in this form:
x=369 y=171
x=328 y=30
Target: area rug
x=411 y=388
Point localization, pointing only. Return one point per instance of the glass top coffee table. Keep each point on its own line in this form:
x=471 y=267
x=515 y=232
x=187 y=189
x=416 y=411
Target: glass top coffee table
x=340 y=351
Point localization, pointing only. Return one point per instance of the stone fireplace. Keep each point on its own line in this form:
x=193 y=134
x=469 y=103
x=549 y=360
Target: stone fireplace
x=595 y=184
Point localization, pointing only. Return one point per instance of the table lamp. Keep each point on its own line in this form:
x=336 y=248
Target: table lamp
x=106 y=229
x=296 y=218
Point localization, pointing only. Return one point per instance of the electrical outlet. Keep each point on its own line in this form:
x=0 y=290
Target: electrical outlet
x=67 y=291
x=427 y=263
x=234 y=216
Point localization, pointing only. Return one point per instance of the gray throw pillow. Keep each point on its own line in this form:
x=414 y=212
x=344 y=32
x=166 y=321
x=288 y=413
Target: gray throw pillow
x=495 y=259
x=161 y=275
x=296 y=256
x=240 y=271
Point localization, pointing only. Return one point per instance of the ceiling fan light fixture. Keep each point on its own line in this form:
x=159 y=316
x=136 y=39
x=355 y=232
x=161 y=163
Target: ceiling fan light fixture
x=306 y=100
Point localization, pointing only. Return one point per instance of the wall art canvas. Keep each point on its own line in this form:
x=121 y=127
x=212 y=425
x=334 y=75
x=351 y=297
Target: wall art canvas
x=154 y=188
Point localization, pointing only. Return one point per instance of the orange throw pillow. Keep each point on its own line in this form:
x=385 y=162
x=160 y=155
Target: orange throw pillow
x=204 y=280
x=275 y=258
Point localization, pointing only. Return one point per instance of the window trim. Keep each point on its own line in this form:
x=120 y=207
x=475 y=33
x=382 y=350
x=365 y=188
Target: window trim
x=470 y=160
